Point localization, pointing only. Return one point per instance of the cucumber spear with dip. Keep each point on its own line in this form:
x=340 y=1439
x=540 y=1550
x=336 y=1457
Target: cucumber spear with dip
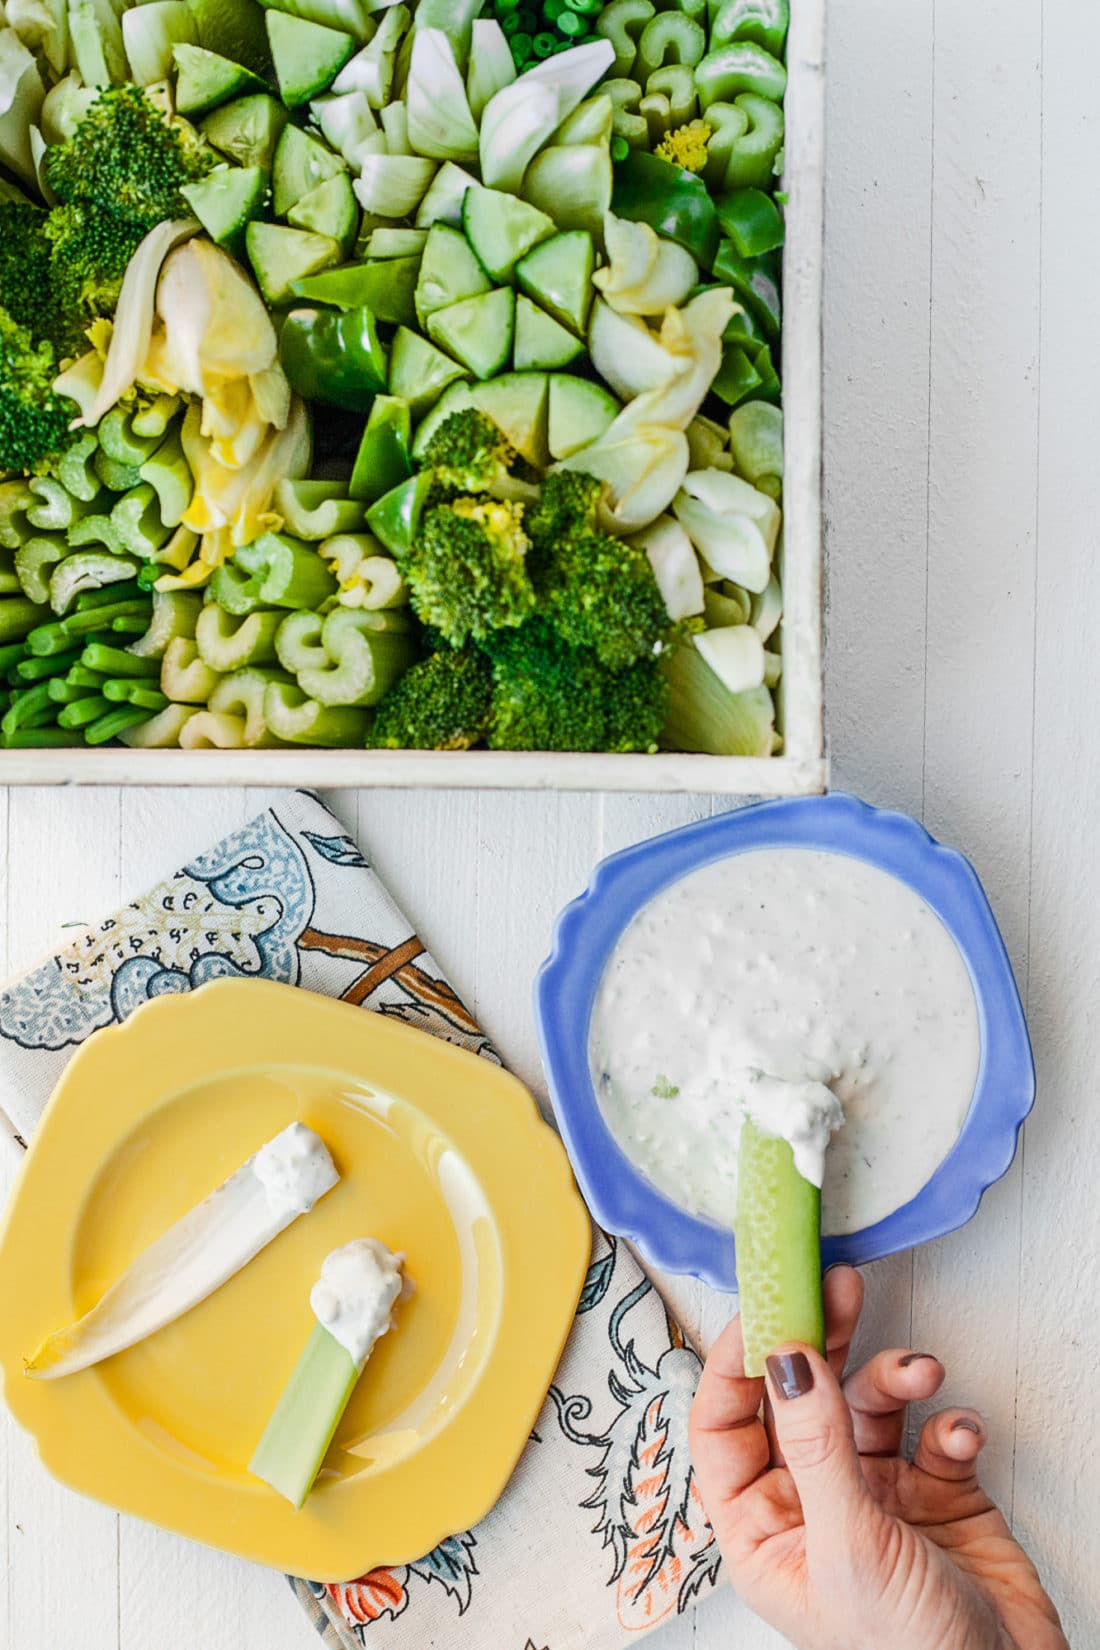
x=777 y=1224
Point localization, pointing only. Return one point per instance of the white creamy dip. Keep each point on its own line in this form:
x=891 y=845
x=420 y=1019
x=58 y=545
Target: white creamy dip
x=354 y=1298
x=800 y=966
x=294 y=1169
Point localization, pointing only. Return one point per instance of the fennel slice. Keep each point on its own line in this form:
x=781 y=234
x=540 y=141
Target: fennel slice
x=200 y=1252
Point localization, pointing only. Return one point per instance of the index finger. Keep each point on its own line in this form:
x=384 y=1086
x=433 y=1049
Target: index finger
x=729 y=1448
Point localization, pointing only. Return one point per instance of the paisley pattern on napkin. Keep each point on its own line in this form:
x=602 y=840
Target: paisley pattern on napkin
x=600 y=1534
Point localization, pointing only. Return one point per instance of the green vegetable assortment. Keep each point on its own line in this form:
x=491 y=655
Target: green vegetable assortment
x=391 y=376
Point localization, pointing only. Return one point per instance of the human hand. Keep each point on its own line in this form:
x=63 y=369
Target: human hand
x=828 y=1531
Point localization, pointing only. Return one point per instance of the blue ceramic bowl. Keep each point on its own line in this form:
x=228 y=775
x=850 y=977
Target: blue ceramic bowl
x=620 y=1197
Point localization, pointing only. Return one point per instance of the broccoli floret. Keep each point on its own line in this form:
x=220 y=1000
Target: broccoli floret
x=34 y=422
x=25 y=289
x=126 y=157
x=91 y=249
x=466 y=571
x=549 y=696
x=599 y=591
x=469 y=454
x=440 y=704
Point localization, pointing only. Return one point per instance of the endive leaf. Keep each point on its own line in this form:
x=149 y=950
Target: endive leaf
x=194 y=1257
x=492 y=66
x=515 y=125
x=440 y=122
x=393 y=185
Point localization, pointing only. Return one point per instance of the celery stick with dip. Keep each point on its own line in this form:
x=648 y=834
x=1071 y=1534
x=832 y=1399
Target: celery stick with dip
x=201 y=1251
x=354 y=1302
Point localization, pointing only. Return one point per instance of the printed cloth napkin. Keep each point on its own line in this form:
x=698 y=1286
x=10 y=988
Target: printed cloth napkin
x=600 y=1534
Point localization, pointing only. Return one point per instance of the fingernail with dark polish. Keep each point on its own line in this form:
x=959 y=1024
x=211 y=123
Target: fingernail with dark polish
x=790 y=1373
x=915 y=1357
x=965 y=1424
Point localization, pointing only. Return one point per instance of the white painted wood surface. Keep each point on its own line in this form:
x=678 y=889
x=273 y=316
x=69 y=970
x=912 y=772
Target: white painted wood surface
x=962 y=492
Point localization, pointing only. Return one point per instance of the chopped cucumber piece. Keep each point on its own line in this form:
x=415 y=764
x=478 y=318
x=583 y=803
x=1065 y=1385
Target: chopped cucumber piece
x=204 y=80
x=777 y=1229
x=386 y=288
x=455 y=398
x=580 y=412
x=301 y=163
x=558 y=275
x=540 y=340
x=419 y=372
x=478 y=332
x=449 y=272
x=501 y=228
x=396 y=243
x=353 y=16
x=226 y=200
x=330 y=209
x=233 y=29
x=443 y=201
x=280 y=256
x=96 y=39
x=247 y=129
x=304 y=1422
x=307 y=56
x=151 y=32
x=517 y=404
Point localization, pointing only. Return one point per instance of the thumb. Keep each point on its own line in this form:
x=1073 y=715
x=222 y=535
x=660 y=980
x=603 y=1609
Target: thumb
x=813 y=1428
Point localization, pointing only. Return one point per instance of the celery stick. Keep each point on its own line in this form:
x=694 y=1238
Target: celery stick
x=777 y=1229
x=301 y=1428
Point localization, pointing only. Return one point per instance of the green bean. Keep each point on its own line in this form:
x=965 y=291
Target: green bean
x=39 y=739
x=109 y=596
x=27 y=707
x=81 y=677
x=113 y=661
x=56 y=664
x=129 y=624
x=113 y=722
x=81 y=712
x=18 y=616
x=62 y=691
x=10 y=656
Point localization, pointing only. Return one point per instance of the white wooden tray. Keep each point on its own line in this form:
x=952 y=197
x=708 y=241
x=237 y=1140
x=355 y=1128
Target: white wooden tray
x=800 y=770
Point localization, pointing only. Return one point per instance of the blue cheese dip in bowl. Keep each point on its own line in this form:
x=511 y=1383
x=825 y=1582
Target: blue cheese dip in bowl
x=816 y=942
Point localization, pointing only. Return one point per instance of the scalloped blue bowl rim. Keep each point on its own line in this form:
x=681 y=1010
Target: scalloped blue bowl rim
x=620 y=1197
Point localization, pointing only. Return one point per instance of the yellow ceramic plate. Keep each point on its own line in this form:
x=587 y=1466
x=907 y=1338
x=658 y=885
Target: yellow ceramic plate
x=441 y=1154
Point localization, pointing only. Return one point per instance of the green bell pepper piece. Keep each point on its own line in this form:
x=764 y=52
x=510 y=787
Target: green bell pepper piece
x=769 y=378
x=763 y=21
x=175 y=613
x=169 y=474
x=745 y=148
x=742 y=66
x=242 y=694
x=184 y=677
x=755 y=282
x=752 y=221
x=285 y=572
x=622 y=23
x=669 y=198
x=367 y=652
x=301 y=721
x=736 y=378
x=395 y=518
x=33 y=562
x=227 y=643
x=75 y=469
x=383 y=459
x=315 y=510
x=384 y=285
x=333 y=356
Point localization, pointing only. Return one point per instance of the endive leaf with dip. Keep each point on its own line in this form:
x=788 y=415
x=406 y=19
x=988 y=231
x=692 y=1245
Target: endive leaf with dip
x=777 y=1227
x=200 y=1252
x=353 y=1300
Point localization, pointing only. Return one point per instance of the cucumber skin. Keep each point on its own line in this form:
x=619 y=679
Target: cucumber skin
x=777 y=1229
